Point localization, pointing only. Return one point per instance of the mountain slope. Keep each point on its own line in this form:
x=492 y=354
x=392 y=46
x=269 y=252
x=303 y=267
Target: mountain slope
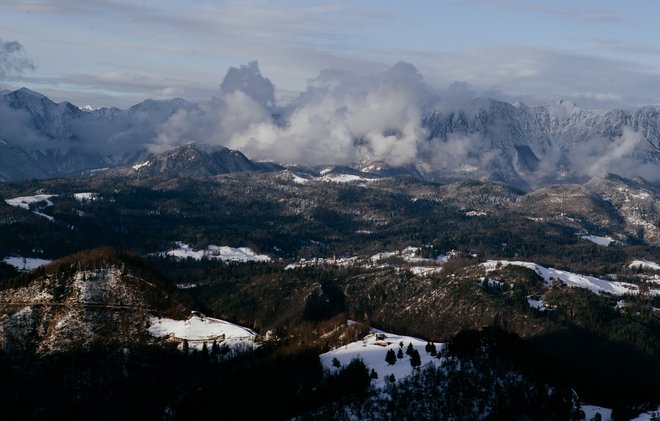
x=532 y=146
x=60 y=139
x=90 y=299
x=191 y=161
x=626 y=209
x=16 y=164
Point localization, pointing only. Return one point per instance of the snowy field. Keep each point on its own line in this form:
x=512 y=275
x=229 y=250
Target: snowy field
x=326 y=177
x=345 y=178
x=644 y=264
x=590 y=412
x=139 y=165
x=85 y=197
x=25 y=201
x=424 y=270
x=199 y=329
x=534 y=303
x=601 y=241
x=297 y=179
x=372 y=350
x=25 y=263
x=648 y=416
x=240 y=254
x=409 y=255
x=606 y=413
x=591 y=283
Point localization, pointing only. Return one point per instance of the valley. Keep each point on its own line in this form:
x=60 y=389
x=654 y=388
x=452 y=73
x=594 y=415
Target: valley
x=229 y=267
x=329 y=210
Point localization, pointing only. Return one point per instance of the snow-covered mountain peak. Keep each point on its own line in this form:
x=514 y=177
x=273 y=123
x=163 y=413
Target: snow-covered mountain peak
x=27 y=99
x=480 y=138
x=25 y=92
x=563 y=109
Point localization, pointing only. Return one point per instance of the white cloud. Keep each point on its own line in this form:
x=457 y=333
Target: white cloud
x=543 y=76
x=13 y=58
x=340 y=118
x=598 y=157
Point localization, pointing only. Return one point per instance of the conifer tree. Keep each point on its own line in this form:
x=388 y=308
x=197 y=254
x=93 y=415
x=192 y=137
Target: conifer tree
x=390 y=357
x=399 y=354
x=415 y=359
x=410 y=349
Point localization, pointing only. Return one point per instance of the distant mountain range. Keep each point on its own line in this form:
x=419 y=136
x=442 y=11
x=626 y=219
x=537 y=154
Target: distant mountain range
x=43 y=139
x=523 y=146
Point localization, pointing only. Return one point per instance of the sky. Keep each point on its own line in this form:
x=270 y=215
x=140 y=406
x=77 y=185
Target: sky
x=598 y=54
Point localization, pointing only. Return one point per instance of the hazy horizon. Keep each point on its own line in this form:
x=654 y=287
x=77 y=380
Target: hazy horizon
x=600 y=55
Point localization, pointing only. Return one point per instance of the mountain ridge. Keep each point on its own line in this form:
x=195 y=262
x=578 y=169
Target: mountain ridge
x=194 y=160
x=486 y=139
x=92 y=298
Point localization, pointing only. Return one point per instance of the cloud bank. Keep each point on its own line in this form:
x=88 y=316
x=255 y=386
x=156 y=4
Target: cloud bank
x=13 y=58
x=344 y=118
x=341 y=117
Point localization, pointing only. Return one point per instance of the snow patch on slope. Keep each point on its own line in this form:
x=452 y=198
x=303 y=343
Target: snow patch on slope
x=424 y=270
x=476 y=213
x=601 y=241
x=25 y=263
x=644 y=264
x=139 y=165
x=535 y=303
x=240 y=254
x=422 y=266
x=82 y=197
x=24 y=202
x=409 y=254
x=199 y=329
x=648 y=416
x=591 y=410
x=591 y=283
x=345 y=178
x=319 y=261
x=298 y=180
x=372 y=350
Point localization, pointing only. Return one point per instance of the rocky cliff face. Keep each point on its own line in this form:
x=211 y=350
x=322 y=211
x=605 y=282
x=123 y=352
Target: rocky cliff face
x=533 y=146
